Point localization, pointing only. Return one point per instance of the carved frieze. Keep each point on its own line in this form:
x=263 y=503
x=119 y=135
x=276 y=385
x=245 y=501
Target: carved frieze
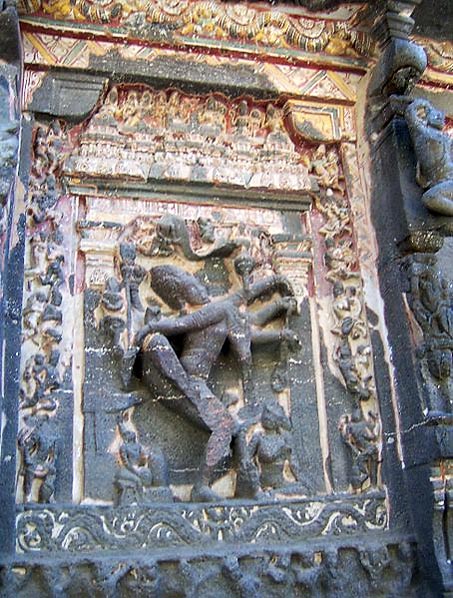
x=55 y=529
x=186 y=20
x=43 y=363
x=145 y=135
x=388 y=568
x=352 y=352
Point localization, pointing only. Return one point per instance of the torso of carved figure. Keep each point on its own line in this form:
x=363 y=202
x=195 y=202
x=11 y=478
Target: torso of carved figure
x=132 y=456
x=272 y=448
x=272 y=453
x=437 y=163
x=433 y=149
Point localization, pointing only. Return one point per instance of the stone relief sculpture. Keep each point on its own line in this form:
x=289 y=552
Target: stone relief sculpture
x=352 y=352
x=37 y=447
x=42 y=370
x=172 y=347
x=262 y=461
x=433 y=149
x=141 y=134
x=430 y=299
x=142 y=475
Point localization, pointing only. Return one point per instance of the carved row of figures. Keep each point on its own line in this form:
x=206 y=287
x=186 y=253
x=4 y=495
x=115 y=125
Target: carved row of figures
x=380 y=570
x=359 y=429
x=136 y=110
x=42 y=321
x=141 y=133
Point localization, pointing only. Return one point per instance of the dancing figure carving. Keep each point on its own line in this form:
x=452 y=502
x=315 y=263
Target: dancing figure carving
x=204 y=332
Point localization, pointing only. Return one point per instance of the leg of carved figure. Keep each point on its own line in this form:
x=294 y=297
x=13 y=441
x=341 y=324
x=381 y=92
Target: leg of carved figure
x=217 y=418
x=439 y=198
x=158 y=350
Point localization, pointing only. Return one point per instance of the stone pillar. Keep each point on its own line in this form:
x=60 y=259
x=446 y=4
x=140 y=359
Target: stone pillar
x=11 y=260
x=409 y=236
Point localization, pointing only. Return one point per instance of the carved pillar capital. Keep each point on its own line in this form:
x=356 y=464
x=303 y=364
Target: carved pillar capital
x=395 y=21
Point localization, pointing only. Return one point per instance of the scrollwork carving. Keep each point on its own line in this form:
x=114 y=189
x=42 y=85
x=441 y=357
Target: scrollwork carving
x=215 y=20
x=123 y=528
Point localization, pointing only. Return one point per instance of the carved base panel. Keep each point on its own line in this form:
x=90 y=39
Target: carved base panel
x=375 y=569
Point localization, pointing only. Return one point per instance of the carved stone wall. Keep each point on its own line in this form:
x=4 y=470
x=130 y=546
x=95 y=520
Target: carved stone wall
x=205 y=401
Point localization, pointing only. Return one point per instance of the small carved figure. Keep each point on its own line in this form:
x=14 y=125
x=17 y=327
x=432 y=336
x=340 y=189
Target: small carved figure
x=38 y=452
x=207 y=230
x=33 y=311
x=362 y=437
x=52 y=320
x=241 y=120
x=140 y=471
x=339 y=259
x=134 y=474
x=433 y=149
x=54 y=275
x=109 y=111
x=270 y=449
x=132 y=275
x=112 y=299
x=325 y=166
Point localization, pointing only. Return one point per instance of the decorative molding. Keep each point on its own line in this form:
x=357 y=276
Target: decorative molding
x=186 y=21
x=94 y=528
x=384 y=567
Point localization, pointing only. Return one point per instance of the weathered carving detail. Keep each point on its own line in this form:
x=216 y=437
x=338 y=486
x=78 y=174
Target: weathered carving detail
x=127 y=528
x=262 y=461
x=430 y=298
x=142 y=475
x=167 y=329
x=352 y=353
x=37 y=447
x=362 y=437
x=145 y=135
x=390 y=570
x=433 y=149
x=185 y=19
x=42 y=370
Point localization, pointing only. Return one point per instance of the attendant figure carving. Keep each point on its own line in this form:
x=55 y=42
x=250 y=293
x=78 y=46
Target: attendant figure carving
x=433 y=149
x=140 y=472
